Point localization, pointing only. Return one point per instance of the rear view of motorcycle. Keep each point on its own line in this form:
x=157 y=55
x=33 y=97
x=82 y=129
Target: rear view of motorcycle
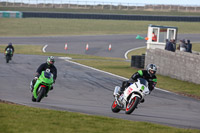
x=42 y=86
x=8 y=54
x=131 y=97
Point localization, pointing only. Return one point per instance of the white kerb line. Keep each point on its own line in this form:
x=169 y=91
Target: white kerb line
x=109 y=73
x=43 y=49
x=125 y=55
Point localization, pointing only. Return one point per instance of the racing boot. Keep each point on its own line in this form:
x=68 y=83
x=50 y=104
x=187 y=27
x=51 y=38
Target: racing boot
x=142 y=101
x=121 y=90
x=32 y=84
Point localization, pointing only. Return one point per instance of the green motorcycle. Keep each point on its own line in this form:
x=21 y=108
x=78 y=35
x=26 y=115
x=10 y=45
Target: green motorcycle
x=8 y=54
x=42 y=85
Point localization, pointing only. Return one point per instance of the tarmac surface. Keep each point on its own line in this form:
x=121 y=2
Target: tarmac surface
x=85 y=90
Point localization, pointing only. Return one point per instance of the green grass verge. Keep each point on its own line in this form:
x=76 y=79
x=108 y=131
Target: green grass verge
x=62 y=27
x=22 y=119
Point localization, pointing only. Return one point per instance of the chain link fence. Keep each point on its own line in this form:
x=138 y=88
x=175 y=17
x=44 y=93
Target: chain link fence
x=97 y=5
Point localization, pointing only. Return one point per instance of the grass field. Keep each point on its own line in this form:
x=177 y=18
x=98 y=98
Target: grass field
x=62 y=27
x=22 y=119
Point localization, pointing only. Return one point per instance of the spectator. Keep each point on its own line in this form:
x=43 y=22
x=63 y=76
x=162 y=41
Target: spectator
x=170 y=46
x=182 y=45
x=188 y=47
x=154 y=37
x=174 y=44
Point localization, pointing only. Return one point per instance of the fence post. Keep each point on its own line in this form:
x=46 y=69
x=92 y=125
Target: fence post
x=69 y=4
x=111 y=6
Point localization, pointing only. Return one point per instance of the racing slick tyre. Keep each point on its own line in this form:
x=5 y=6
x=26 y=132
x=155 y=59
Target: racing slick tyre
x=114 y=107
x=132 y=105
x=33 y=99
x=41 y=93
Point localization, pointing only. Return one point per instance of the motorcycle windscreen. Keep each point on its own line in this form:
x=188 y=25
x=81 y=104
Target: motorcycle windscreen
x=47 y=75
x=143 y=81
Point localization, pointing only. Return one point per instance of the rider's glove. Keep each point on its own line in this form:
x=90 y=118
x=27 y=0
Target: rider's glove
x=36 y=78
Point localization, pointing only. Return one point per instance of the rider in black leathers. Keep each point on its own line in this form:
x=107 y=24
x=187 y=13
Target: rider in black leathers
x=48 y=65
x=148 y=74
x=10 y=46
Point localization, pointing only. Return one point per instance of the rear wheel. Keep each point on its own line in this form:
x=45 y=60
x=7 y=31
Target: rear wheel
x=41 y=93
x=132 y=105
x=114 y=107
x=7 y=59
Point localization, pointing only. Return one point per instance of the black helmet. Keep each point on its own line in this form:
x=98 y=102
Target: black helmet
x=10 y=44
x=151 y=69
x=50 y=60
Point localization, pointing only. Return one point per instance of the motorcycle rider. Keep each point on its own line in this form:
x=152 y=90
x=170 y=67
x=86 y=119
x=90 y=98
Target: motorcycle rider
x=148 y=74
x=48 y=65
x=10 y=46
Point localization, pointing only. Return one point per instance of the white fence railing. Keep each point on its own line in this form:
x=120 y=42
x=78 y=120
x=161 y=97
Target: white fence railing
x=97 y=5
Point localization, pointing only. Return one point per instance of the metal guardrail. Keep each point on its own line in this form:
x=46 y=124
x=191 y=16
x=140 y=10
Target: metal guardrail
x=110 y=16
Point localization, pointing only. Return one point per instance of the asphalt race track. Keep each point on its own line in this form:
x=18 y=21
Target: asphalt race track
x=81 y=89
x=98 y=45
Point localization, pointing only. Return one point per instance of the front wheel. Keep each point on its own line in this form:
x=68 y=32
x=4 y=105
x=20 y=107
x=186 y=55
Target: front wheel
x=41 y=93
x=33 y=99
x=114 y=107
x=132 y=105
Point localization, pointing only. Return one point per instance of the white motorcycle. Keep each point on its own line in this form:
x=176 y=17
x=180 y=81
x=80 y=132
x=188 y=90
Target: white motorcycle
x=131 y=96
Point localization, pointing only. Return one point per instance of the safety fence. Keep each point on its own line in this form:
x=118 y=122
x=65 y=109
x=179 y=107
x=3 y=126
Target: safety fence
x=98 y=5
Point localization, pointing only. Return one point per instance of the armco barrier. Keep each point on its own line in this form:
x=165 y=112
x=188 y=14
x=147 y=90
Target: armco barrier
x=110 y=16
x=10 y=14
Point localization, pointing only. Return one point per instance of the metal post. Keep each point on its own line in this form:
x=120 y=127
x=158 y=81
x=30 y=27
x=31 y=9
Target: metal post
x=94 y=6
x=111 y=6
x=86 y=5
x=69 y=4
x=44 y=3
x=61 y=4
x=21 y=3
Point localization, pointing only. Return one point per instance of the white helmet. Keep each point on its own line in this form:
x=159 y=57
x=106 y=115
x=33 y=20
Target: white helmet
x=151 y=69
